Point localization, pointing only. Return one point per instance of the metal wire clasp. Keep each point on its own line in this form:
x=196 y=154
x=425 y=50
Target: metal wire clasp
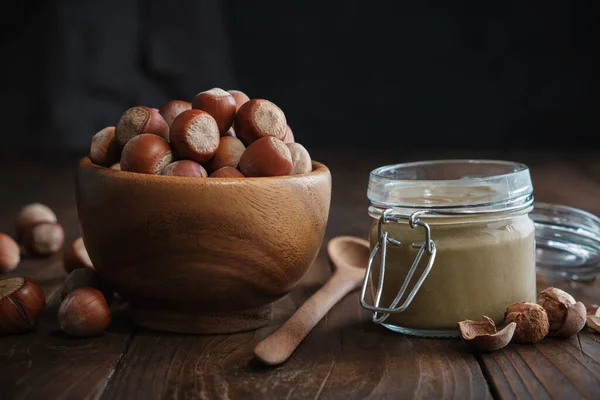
x=380 y=314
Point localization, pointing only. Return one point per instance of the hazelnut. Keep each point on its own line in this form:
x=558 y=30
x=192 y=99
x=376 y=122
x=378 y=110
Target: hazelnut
x=532 y=322
x=195 y=135
x=76 y=256
x=138 y=120
x=230 y=132
x=84 y=312
x=289 y=135
x=301 y=161
x=593 y=321
x=566 y=317
x=219 y=104
x=227 y=172
x=240 y=98
x=44 y=239
x=259 y=118
x=146 y=154
x=228 y=154
x=33 y=214
x=104 y=149
x=482 y=335
x=21 y=303
x=267 y=156
x=85 y=278
x=185 y=168
x=172 y=109
x=10 y=254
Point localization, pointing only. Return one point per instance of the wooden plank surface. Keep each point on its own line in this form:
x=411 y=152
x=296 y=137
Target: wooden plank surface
x=346 y=356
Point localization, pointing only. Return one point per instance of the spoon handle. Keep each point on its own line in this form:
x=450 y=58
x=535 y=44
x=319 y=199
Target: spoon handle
x=280 y=345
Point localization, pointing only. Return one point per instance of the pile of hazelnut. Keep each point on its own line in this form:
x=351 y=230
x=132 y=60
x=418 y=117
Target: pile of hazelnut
x=84 y=298
x=219 y=134
x=556 y=314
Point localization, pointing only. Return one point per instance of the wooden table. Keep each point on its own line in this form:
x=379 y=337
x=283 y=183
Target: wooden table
x=345 y=357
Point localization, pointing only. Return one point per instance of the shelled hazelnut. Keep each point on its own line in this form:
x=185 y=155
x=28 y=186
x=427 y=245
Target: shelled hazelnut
x=44 y=239
x=228 y=154
x=195 y=135
x=259 y=118
x=171 y=109
x=31 y=215
x=267 y=156
x=104 y=149
x=21 y=303
x=220 y=104
x=76 y=256
x=10 y=254
x=185 y=168
x=84 y=312
x=146 y=154
x=138 y=120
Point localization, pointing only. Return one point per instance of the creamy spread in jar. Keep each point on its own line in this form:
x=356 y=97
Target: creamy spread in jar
x=481 y=241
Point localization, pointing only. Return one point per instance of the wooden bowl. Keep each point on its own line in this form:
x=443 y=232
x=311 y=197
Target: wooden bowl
x=201 y=255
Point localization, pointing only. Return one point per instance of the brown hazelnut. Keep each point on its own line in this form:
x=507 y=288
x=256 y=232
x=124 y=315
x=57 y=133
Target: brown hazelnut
x=10 y=254
x=240 y=98
x=531 y=319
x=44 y=239
x=104 y=149
x=138 y=120
x=185 y=168
x=21 y=303
x=267 y=156
x=289 y=135
x=482 y=335
x=219 y=104
x=230 y=132
x=76 y=256
x=301 y=161
x=33 y=214
x=172 y=109
x=84 y=312
x=85 y=278
x=146 y=154
x=566 y=317
x=228 y=154
x=195 y=135
x=227 y=172
x=259 y=118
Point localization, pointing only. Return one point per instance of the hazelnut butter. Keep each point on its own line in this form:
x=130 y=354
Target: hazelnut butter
x=469 y=220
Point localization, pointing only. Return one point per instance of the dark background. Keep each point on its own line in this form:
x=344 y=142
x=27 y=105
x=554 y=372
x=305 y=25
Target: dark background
x=399 y=75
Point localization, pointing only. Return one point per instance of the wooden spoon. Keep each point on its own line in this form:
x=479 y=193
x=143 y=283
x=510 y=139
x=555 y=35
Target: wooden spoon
x=350 y=256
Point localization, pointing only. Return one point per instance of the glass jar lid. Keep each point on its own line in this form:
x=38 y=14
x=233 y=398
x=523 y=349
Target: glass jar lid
x=467 y=185
x=567 y=241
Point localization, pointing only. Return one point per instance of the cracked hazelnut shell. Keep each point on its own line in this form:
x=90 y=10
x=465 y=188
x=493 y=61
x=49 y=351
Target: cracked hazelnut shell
x=565 y=315
x=531 y=319
x=483 y=336
x=21 y=303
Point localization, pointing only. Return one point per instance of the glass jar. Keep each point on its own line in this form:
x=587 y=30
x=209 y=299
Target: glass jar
x=450 y=240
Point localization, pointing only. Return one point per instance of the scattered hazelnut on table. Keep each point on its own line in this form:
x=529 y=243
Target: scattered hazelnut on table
x=259 y=118
x=565 y=315
x=185 y=168
x=227 y=172
x=195 y=135
x=483 y=336
x=171 y=109
x=44 y=239
x=104 y=149
x=138 y=120
x=85 y=278
x=21 y=303
x=76 y=256
x=84 y=312
x=146 y=154
x=10 y=254
x=220 y=104
x=531 y=319
x=31 y=215
x=267 y=156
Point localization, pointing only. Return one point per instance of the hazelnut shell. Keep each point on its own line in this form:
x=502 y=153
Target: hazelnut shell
x=482 y=335
x=531 y=319
x=556 y=302
x=574 y=321
x=593 y=322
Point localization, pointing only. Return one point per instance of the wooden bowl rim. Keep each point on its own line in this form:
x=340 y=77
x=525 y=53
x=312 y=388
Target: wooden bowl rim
x=86 y=163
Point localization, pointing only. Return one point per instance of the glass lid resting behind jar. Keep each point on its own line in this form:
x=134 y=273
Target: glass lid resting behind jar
x=429 y=192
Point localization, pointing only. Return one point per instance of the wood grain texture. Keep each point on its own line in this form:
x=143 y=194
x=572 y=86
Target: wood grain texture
x=181 y=249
